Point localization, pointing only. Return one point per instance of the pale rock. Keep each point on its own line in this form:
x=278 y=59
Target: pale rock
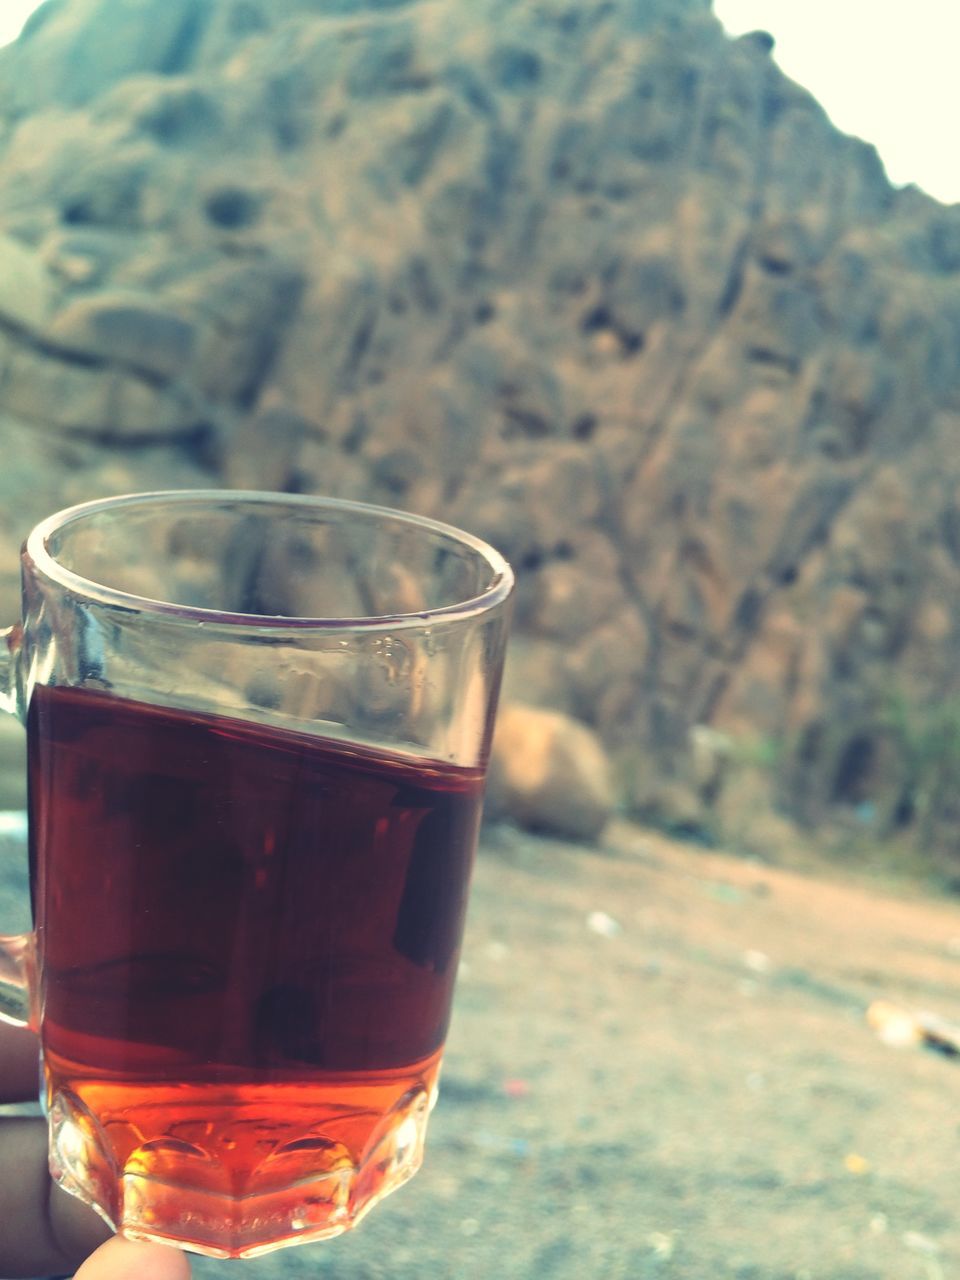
x=550 y=772
x=27 y=289
x=141 y=409
x=56 y=393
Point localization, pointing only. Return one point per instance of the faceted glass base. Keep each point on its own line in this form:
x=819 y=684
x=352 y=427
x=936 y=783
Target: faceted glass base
x=176 y=1191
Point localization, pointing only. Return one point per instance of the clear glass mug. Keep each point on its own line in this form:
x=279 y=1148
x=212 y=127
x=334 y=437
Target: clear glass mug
x=257 y=730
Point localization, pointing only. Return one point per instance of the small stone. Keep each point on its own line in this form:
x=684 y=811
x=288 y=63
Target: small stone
x=13 y=824
x=497 y=952
x=663 y=1243
x=894 y=1026
x=604 y=926
x=756 y=961
x=516 y=1088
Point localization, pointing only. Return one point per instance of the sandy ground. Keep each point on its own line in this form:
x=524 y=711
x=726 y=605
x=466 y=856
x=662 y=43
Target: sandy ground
x=660 y=1066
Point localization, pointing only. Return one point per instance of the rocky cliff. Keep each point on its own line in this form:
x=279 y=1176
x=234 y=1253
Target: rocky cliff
x=590 y=279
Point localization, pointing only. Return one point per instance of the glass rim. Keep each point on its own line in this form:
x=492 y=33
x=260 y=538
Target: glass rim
x=36 y=552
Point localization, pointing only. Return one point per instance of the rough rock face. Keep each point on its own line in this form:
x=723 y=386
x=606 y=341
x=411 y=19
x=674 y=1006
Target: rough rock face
x=590 y=279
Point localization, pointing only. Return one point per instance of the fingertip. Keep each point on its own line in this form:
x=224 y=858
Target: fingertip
x=121 y=1259
x=19 y=1064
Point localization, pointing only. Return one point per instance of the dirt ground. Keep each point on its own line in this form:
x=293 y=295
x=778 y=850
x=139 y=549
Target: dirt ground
x=660 y=1066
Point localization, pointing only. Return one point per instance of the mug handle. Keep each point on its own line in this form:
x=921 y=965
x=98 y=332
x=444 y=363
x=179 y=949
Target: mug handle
x=18 y=956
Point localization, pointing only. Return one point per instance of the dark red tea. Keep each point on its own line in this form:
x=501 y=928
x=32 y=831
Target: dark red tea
x=248 y=937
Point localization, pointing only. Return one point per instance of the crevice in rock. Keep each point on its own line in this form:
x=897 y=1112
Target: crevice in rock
x=775 y=359
x=184 y=44
x=851 y=782
x=193 y=442
x=233 y=207
x=735 y=280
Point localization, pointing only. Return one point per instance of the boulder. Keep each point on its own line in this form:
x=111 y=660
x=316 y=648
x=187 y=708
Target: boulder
x=550 y=772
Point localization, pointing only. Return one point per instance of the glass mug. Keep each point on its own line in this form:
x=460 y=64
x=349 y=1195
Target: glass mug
x=257 y=729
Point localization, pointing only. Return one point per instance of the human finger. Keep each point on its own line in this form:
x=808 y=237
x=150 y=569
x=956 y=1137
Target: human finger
x=19 y=1064
x=121 y=1259
x=43 y=1231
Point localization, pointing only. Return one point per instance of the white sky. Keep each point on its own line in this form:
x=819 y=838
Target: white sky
x=13 y=14
x=885 y=70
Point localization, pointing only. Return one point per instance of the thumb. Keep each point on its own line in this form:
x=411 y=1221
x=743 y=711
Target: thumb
x=121 y=1259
